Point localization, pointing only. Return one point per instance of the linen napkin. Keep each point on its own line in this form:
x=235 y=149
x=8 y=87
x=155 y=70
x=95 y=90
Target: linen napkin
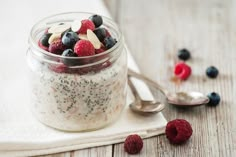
x=20 y=133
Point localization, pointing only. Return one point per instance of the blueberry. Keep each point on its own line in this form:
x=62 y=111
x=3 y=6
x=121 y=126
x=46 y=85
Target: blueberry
x=69 y=61
x=97 y=20
x=68 y=30
x=214 y=99
x=100 y=33
x=184 y=54
x=212 y=72
x=109 y=42
x=44 y=39
x=69 y=39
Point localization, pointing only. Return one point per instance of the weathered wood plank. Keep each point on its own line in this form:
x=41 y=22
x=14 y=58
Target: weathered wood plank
x=66 y=154
x=105 y=151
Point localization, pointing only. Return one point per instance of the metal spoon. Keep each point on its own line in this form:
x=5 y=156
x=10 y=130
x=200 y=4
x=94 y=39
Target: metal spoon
x=183 y=99
x=143 y=106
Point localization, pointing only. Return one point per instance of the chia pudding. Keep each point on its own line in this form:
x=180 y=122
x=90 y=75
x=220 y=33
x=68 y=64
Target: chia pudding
x=82 y=95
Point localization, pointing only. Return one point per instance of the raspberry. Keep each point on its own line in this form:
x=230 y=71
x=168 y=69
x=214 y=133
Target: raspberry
x=42 y=47
x=57 y=47
x=86 y=24
x=102 y=49
x=178 y=131
x=107 y=33
x=58 y=68
x=84 y=48
x=133 y=144
x=182 y=70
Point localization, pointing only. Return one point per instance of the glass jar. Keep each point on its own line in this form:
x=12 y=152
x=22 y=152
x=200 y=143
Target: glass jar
x=86 y=96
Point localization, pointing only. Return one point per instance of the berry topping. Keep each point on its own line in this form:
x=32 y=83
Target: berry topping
x=182 y=70
x=184 y=54
x=84 y=48
x=86 y=24
x=109 y=42
x=44 y=39
x=68 y=30
x=212 y=72
x=97 y=20
x=83 y=36
x=59 y=28
x=75 y=26
x=214 y=99
x=100 y=33
x=78 y=39
x=102 y=49
x=108 y=34
x=58 y=68
x=54 y=37
x=42 y=47
x=70 y=38
x=69 y=61
x=133 y=144
x=57 y=47
x=178 y=131
x=93 y=39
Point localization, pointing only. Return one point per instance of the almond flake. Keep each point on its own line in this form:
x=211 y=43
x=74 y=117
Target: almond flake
x=83 y=36
x=54 y=37
x=59 y=28
x=75 y=26
x=93 y=39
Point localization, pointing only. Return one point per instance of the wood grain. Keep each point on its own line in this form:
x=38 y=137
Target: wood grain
x=154 y=31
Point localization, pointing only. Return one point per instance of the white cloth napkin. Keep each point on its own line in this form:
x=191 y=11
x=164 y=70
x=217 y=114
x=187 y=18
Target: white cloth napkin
x=20 y=133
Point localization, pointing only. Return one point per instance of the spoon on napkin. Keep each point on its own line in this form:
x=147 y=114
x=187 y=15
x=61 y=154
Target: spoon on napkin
x=183 y=99
x=144 y=106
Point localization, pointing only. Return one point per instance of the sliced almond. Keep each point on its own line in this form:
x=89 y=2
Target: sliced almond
x=75 y=26
x=54 y=37
x=93 y=39
x=83 y=36
x=59 y=28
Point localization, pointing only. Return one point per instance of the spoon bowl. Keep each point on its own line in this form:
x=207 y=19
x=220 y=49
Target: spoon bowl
x=143 y=106
x=187 y=99
x=146 y=106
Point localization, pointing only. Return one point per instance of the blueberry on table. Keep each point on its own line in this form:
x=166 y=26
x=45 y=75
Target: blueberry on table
x=109 y=42
x=69 y=39
x=212 y=72
x=97 y=20
x=184 y=54
x=69 y=61
x=100 y=33
x=44 y=39
x=214 y=99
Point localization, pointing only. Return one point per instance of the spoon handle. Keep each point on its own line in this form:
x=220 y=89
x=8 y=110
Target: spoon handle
x=147 y=80
x=133 y=89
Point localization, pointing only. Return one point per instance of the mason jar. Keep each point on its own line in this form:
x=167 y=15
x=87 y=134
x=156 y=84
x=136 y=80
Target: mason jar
x=86 y=96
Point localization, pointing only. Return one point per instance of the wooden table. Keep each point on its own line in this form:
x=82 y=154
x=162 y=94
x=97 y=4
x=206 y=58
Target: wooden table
x=154 y=31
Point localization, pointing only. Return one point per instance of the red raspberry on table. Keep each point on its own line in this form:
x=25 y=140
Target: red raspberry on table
x=182 y=70
x=178 y=131
x=84 y=48
x=133 y=144
x=85 y=25
x=57 y=47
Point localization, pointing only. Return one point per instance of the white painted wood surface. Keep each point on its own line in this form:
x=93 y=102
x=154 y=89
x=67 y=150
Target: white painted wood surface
x=154 y=31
